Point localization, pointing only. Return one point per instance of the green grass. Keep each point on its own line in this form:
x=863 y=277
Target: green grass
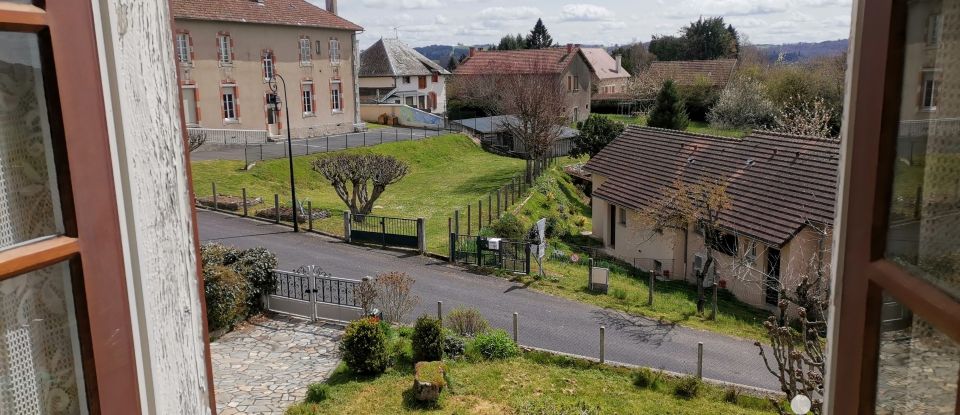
x=698 y=127
x=375 y=126
x=535 y=383
x=446 y=173
x=674 y=301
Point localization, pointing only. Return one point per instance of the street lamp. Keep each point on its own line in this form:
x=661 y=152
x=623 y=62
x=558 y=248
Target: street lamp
x=276 y=107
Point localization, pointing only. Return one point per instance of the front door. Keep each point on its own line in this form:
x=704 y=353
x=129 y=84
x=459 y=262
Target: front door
x=189 y=106
x=273 y=114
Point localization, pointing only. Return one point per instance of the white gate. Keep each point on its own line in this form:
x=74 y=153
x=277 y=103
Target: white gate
x=311 y=293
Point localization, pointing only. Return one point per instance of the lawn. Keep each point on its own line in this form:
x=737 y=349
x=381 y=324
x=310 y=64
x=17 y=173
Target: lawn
x=694 y=127
x=554 y=196
x=534 y=383
x=446 y=173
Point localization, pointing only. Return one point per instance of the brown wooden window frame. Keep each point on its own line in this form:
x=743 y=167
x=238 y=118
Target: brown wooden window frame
x=871 y=126
x=92 y=240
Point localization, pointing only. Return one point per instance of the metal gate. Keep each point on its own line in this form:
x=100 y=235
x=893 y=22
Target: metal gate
x=385 y=231
x=508 y=255
x=309 y=292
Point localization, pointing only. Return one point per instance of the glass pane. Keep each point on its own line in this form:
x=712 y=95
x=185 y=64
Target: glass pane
x=29 y=207
x=924 y=234
x=39 y=350
x=918 y=367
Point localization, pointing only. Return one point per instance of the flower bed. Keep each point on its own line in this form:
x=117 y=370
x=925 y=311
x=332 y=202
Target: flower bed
x=227 y=202
x=286 y=214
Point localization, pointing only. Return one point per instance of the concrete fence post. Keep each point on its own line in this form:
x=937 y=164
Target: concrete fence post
x=498 y=203
x=309 y=215
x=650 y=291
x=453 y=248
x=456 y=222
x=346 y=226
x=421 y=236
x=440 y=311
x=244 y=191
x=516 y=328
x=603 y=331
x=590 y=274
x=469 y=220
x=214 y=185
x=276 y=206
x=700 y=360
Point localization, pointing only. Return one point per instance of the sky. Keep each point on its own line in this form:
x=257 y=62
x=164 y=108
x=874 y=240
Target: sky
x=608 y=22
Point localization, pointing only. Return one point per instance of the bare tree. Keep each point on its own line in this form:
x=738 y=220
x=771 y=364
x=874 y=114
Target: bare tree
x=394 y=295
x=645 y=85
x=537 y=100
x=699 y=204
x=195 y=139
x=350 y=174
x=366 y=295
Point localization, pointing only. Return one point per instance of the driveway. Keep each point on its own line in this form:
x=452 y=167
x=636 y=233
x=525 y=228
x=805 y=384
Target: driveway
x=545 y=321
x=305 y=146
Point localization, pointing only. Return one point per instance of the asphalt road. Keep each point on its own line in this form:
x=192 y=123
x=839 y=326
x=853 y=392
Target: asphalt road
x=545 y=321
x=304 y=146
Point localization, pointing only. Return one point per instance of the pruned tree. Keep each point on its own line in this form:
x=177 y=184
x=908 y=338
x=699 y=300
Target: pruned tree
x=395 y=295
x=595 y=133
x=365 y=295
x=196 y=139
x=351 y=175
x=699 y=204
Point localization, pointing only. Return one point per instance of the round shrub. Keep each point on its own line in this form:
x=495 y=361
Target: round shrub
x=495 y=344
x=453 y=347
x=687 y=387
x=466 y=321
x=364 y=347
x=225 y=292
x=646 y=379
x=216 y=254
x=257 y=267
x=427 y=340
x=508 y=226
x=318 y=392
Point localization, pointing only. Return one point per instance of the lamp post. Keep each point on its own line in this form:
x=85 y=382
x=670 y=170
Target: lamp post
x=276 y=107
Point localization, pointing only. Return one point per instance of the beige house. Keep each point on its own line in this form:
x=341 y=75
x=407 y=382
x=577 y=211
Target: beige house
x=392 y=72
x=778 y=226
x=609 y=76
x=229 y=50
x=568 y=63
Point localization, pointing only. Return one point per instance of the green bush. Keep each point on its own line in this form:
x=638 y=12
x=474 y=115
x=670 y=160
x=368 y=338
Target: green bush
x=257 y=265
x=699 y=98
x=495 y=344
x=453 y=347
x=595 y=133
x=364 y=347
x=466 y=321
x=687 y=387
x=225 y=292
x=318 y=392
x=647 y=379
x=508 y=226
x=427 y=340
x=619 y=293
x=669 y=110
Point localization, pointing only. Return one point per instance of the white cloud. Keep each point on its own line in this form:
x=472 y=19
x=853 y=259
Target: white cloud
x=441 y=19
x=403 y=4
x=585 y=13
x=686 y=9
x=509 y=13
x=613 y=25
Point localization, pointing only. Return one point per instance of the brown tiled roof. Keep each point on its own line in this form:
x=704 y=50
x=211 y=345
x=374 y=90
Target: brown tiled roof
x=604 y=65
x=777 y=183
x=717 y=71
x=279 y=12
x=552 y=60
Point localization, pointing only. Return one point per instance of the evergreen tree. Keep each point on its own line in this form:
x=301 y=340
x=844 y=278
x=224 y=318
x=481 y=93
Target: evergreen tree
x=595 y=133
x=539 y=37
x=709 y=39
x=452 y=65
x=668 y=111
x=668 y=48
x=510 y=42
x=736 y=40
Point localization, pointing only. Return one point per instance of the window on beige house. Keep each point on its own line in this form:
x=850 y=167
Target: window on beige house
x=229 y=96
x=576 y=83
x=305 y=55
x=268 y=65
x=183 y=47
x=929 y=90
x=334 y=50
x=934 y=26
x=622 y=216
x=307 y=97
x=225 y=49
x=335 y=96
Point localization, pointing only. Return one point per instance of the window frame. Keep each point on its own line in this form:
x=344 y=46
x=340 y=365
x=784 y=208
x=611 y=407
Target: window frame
x=184 y=48
x=268 y=67
x=91 y=243
x=334 y=48
x=934 y=29
x=336 y=96
x=929 y=76
x=306 y=87
x=223 y=103
x=306 y=52
x=863 y=274
x=224 y=49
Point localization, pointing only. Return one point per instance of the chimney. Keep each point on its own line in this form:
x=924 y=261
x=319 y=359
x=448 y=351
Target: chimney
x=332 y=6
x=619 y=62
x=473 y=51
x=569 y=47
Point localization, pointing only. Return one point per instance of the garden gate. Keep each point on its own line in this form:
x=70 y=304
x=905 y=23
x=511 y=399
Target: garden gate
x=508 y=255
x=309 y=292
x=385 y=231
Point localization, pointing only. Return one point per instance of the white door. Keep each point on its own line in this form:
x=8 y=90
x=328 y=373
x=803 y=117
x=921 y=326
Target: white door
x=189 y=106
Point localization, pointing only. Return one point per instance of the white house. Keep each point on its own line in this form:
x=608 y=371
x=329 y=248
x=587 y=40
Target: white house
x=392 y=72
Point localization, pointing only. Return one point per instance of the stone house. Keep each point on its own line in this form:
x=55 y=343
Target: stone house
x=609 y=76
x=568 y=63
x=391 y=72
x=229 y=50
x=782 y=192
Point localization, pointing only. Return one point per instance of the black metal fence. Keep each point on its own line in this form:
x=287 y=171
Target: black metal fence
x=306 y=146
x=385 y=231
x=508 y=255
x=316 y=288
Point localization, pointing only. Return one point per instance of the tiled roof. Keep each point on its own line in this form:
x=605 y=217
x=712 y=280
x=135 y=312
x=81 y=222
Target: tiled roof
x=717 y=71
x=604 y=65
x=391 y=57
x=278 y=12
x=552 y=60
x=777 y=183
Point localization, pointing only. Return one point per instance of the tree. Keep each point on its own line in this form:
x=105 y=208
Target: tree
x=394 y=295
x=668 y=111
x=510 y=42
x=349 y=174
x=704 y=39
x=668 y=48
x=539 y=37
x=195 y=139
x=812 y=119
x=595 y=133
x=699 y=97
x=452 y=64
x=743 y=104
x=636 y=58
x=537 y=101
x=699 y=204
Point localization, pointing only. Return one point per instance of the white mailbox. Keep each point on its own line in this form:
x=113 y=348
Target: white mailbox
x=493 y=244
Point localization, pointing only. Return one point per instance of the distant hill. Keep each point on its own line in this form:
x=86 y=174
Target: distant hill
x=798 y=52
x=442 y=53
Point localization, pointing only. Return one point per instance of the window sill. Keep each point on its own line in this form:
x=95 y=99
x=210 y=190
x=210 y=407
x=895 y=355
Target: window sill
x=229 y=121
x=225 y=65
x=336 y=112
x=929 y=110
x=306 y=64
x=309 y=115
x=193 y=125
x=188 y=64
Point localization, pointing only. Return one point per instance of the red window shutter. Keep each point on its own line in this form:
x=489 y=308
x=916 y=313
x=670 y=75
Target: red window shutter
x=421 y=82
x=436 y=77
x=190 y=45
x=231 y=48
x=236 y=100
x=313 y=97
x=196 y=100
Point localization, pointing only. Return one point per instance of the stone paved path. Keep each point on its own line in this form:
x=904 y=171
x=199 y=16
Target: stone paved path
x=266 y=365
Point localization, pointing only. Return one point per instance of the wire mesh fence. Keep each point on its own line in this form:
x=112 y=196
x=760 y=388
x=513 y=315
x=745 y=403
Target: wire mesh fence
x=254 y=152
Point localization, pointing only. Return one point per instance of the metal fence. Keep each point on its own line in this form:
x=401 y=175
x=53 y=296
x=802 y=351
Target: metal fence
x=227 y=136
x=314 y=294
x=508 y=255
x=254 y=152
x=385 y=231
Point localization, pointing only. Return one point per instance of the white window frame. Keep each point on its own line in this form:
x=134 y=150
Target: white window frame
x=576 y=83
x=307 y=100
x=336 y=96
x=183 y=47
x=334 y=51
x=269 y=68
x=225 y=50
x=934 y=29
x=306 y=53
x=929 y=90
x=229 y=112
